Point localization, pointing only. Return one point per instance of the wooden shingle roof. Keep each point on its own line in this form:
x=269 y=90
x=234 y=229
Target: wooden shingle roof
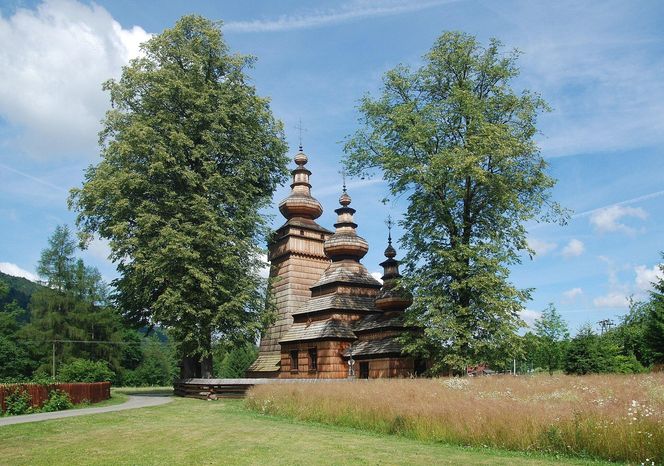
x=386 y=346
x=337 y=302
x=320 y=330
x=342 y=275
x=378 y=321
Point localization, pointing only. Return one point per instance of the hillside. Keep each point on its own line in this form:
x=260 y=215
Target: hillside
x=20 y=290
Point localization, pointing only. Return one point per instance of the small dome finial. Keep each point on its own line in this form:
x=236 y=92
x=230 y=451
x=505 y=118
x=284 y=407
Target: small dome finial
x=345 y=199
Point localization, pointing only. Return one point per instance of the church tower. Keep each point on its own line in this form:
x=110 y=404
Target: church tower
x=297 y=260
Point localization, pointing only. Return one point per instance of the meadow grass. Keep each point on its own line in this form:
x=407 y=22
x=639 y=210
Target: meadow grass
x=612 y=417
x=188 y=431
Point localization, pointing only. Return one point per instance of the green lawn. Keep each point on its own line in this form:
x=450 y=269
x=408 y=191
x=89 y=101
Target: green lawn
x=190 y=431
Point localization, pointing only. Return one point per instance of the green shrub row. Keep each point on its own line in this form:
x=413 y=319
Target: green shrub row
x=20 y=402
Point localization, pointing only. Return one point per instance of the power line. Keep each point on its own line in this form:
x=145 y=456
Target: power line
x=85 y=341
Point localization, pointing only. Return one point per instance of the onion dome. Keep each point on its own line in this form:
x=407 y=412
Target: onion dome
x=345 y=243
x=390 y=297
x=300 y=203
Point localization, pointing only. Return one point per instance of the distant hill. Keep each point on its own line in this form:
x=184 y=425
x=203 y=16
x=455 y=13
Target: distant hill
x=20 y=290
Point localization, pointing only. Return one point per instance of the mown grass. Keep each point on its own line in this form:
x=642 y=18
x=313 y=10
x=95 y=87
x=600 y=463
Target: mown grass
x=612 y=417
x=188 y=431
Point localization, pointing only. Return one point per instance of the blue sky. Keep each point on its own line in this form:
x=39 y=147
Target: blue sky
x=598 y=64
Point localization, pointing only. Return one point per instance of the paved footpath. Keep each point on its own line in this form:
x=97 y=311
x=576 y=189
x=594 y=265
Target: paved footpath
x=134 y=401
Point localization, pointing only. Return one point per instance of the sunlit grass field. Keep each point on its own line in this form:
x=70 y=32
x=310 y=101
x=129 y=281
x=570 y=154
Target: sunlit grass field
x=188 y=432
x=613 y=417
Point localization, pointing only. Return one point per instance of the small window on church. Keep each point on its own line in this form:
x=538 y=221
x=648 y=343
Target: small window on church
x=302 y=232
x=313 y=359
x=322 y=236
x=294 y=360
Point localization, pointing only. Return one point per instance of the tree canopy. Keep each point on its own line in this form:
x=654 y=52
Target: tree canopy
x=458 y=142
x=190 y=154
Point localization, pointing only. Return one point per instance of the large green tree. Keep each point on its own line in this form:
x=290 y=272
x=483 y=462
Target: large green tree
x=190 y=155
x=553 y=333
x=457 y=142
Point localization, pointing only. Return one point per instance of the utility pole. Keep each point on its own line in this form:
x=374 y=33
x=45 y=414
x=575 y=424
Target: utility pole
x=605 y=325
x=53 y=368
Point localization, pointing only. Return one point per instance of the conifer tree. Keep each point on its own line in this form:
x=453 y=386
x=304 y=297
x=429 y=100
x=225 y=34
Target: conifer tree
x=190 y=155
x=552 y=332
x=654 y=332
x=73 y=306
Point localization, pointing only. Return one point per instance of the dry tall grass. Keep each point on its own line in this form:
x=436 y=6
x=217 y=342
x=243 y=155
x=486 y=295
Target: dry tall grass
x=615 y=417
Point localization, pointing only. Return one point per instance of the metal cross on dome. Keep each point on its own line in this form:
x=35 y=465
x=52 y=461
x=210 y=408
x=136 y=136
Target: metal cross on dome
x=343 y=177
x=300 y=128
x=389 y=224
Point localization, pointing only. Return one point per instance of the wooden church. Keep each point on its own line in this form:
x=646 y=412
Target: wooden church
x=334 y=319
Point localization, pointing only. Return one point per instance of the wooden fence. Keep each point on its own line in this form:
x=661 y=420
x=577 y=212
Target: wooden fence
x=78 y=392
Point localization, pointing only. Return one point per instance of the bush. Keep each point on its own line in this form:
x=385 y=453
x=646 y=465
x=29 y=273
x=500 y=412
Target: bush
x=233 y=362
x=58 y=400
x=83 y=370
x=627 y=365
x=18 y=402
x=157 y=367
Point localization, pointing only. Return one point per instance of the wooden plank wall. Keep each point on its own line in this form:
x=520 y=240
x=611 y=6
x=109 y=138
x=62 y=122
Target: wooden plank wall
x=330 y=363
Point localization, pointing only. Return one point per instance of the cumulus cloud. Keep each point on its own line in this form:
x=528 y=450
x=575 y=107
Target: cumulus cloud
x=53 y=61
x=613 y=299
x=378 y=276
x=645 y=277
x=265 y=269
x=99 y=249
x=572 y=294
x=541 y=247
x=16 y=271
x=529 y=316
x=574 y=248
x=608 y=219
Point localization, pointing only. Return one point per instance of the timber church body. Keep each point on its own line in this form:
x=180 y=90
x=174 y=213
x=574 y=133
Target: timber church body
x=334 y=320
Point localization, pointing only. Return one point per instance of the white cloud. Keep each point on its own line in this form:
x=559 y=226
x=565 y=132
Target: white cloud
x=53 y=61
x=613 y=299
x=99 y=249
x=351 y=186
x=601 y=75
x=541 y=247
x=646 y=276
x=633 y=200
x=573 y=293
x=16 y=271
x=265 y=269
x=529 y=316
x=348 y=12
x=378 y=276
x=608 y=219
x=574 y=248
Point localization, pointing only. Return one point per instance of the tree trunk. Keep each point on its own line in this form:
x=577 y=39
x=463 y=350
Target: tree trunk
x=188 y=368
x=206 y=367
